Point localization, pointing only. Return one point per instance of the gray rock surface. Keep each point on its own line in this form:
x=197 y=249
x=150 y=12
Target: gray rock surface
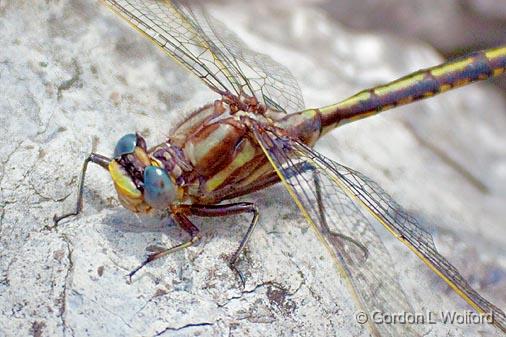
x=71 y=74
x=465 y=23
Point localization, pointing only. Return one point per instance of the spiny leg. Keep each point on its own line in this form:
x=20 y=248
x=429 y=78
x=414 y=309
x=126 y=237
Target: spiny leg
x=230 y=209
x=94 y=158
x=233 y=260
x=180 y=214
x=323 y=220
x=188 y=227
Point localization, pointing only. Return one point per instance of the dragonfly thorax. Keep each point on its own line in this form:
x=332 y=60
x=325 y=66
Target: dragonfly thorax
x=244 y=103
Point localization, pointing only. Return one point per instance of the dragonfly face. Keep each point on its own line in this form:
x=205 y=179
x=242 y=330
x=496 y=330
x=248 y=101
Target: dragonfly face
x=141 y=184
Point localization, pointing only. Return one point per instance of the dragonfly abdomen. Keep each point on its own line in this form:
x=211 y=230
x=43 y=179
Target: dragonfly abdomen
x=416 y=86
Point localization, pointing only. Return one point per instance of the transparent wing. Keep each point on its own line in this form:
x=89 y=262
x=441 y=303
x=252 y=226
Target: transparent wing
x=361 y=257
x=186 y=32
x=342 y=186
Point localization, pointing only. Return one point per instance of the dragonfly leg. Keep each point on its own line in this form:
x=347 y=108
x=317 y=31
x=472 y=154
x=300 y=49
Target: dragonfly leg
x=323 y=220
x=180 y=214
x=93 y=158
x=230 y=209
x=188 y=227
x=246 y=237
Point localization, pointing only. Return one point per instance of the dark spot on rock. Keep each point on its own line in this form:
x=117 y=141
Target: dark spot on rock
x=154 y=248
x=115 y=98
x=110 y=201
x=59 y=254
x=160 y=292
x=74 y=81
x=121 y=79
x=234 y=326
x=37 y=328
x=100 y=271
x=278 y=298
x=146 y=132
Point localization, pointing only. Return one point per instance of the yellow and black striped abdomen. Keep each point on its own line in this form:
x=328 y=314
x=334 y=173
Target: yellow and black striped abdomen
x=418 y=85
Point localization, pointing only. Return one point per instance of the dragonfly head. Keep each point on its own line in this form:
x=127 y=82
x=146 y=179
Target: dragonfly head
x=140 y=183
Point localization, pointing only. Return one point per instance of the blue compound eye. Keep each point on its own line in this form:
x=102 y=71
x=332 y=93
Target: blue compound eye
x=159 y=191
x=125 y=145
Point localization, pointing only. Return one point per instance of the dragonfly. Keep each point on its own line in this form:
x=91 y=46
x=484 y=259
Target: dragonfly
x=258 y=133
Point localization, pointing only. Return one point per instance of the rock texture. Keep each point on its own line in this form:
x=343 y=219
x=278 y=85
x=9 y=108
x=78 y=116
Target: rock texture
x=73 y=75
